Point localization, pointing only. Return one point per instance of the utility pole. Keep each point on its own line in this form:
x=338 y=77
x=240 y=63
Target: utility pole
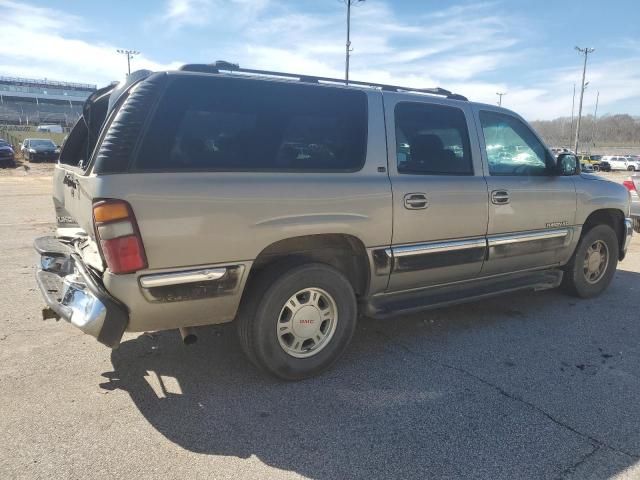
x=584 y=51
x=348 y=44
x=573 y=104
x=129 y=54
x=595 y=121
x=500 y=94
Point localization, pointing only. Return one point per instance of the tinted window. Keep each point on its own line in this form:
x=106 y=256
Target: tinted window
x=432 y=140
x=237 y=124
x=512 y=148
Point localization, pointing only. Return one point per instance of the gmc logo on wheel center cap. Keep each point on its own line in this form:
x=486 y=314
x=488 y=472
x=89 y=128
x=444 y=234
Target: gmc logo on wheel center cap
x=306 y=322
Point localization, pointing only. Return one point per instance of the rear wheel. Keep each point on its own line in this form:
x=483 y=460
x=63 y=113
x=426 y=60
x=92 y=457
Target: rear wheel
x=296 y=323
x=593 y=264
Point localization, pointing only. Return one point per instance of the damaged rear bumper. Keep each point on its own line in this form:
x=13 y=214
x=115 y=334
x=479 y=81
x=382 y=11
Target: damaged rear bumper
x=76 y=294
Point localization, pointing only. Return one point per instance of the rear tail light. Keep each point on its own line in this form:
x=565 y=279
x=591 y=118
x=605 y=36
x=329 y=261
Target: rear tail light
x=630 y=185
x=118 y=235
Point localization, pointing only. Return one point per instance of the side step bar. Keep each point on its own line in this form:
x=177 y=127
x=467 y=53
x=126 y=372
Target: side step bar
x=392 y=305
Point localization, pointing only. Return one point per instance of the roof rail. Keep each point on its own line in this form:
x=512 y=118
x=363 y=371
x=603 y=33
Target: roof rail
x=221 y=65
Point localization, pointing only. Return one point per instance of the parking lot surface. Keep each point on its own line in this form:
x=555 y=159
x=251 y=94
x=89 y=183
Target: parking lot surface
x=530 y=385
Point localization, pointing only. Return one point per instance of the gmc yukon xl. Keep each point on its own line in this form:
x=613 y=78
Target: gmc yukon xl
x=291 y=204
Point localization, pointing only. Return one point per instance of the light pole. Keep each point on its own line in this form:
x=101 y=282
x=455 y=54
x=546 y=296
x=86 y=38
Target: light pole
x=573 y=105
x=129 y=54
x=584 y=51
x=595 y=121
x=500 y=94
x=348 y=44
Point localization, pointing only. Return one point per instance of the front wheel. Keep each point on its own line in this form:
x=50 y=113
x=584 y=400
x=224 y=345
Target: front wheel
x=296 y=323
x=593 y=264
x=631 y=168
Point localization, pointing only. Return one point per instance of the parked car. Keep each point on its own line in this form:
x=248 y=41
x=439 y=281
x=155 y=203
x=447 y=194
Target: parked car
x=40 y=150
x=50 y=128
x=604 y=166
x=587 y=167
x=558 y=150
x=619 y=162
x=593 y=160
x=633 y=185
x=7 y=155
x=288 y=204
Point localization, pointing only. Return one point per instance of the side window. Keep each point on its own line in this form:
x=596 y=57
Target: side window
x=432 y=140
x=512 y=148
x=232 y=124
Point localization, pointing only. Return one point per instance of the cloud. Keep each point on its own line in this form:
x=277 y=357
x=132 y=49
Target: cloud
x=48 y=49
x=473 y=49
x=179 y=14
x=182 y=13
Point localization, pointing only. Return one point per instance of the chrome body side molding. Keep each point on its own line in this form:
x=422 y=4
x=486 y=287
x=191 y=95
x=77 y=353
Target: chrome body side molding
x=495 y=240
x=180 y=278
x=436 y=247
x=424 y=256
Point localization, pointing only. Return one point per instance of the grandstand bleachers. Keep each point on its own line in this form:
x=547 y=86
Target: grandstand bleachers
x=33 y=102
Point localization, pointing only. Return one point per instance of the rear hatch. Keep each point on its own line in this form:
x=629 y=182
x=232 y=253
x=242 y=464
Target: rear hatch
x=75 y=185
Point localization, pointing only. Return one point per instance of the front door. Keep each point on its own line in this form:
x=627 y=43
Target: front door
x=440 y=198
x=531 y=208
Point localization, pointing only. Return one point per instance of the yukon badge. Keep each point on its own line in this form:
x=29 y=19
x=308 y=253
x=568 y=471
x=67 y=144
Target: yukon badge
x=563 y=223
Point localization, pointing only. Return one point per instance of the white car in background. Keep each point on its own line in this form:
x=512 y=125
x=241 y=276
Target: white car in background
x=619 y=162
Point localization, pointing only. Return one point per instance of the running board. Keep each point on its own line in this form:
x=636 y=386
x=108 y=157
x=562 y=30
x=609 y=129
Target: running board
x=390 y=305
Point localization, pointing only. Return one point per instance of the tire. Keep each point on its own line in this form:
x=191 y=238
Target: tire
x=580 y=279
x=271 y=328
x=631 y=168
x=636 y=224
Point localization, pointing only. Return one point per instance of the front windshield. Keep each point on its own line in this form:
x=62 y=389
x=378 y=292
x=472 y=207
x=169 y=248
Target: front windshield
x=42 y=144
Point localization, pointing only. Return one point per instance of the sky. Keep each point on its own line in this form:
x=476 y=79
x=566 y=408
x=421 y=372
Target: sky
x=522 y=47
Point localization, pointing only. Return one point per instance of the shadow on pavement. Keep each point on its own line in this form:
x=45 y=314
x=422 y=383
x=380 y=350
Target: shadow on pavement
x=531 y=385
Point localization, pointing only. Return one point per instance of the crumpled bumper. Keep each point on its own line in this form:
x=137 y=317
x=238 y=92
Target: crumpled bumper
x=76 y=294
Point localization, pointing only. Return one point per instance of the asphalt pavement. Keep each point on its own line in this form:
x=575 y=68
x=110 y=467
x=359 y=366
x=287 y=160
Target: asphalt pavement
x=529 y=385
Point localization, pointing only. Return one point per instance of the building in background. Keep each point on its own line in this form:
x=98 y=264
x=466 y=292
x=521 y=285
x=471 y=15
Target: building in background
x=25 y=101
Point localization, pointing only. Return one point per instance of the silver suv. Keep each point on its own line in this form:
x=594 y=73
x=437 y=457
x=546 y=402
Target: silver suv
x=290 y=204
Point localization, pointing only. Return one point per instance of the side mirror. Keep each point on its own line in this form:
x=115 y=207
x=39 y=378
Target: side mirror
x=567 y=164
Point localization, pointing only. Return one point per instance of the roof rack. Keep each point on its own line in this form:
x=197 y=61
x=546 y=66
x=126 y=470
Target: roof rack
x=221 y=65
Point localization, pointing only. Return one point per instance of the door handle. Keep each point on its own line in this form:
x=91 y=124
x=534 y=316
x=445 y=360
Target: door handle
x=415 y=201
x=500 y=197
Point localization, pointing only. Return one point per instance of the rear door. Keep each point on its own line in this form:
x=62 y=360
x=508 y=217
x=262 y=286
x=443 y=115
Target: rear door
x=440 y=201
x=531 y=209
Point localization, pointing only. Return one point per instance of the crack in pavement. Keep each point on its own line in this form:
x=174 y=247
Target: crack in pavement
x=598 y=443
x=572 y=468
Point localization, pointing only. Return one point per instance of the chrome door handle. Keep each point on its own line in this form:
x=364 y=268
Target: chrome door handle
x=415 y=201
x=500 y=197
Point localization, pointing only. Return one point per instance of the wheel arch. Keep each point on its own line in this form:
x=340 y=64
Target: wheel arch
x=612 y=217
x=344 y=252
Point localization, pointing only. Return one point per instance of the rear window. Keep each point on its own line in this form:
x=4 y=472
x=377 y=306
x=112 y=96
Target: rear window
x=230 y=124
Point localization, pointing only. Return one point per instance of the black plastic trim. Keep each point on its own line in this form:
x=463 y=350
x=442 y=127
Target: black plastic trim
x=390 y=305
